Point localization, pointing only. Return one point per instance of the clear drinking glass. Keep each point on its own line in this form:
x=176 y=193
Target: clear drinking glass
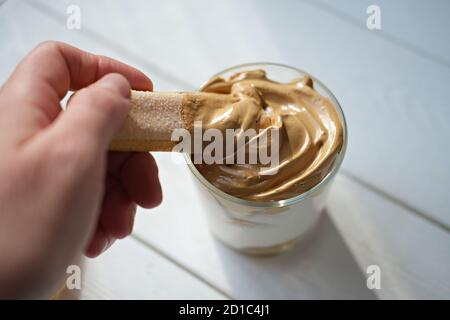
x=270 y=227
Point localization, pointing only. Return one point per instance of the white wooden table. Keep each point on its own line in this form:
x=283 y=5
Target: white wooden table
x=390 y=204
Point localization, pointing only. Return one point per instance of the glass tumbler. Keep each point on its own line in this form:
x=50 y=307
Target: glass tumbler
x=270 y=227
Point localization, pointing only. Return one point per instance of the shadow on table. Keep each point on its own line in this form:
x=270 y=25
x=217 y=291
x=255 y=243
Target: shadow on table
x=321 y=267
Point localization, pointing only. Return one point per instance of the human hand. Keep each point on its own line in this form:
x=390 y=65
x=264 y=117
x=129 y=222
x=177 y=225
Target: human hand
x=61 y=192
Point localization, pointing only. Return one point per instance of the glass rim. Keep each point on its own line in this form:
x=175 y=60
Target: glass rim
x=302 y=196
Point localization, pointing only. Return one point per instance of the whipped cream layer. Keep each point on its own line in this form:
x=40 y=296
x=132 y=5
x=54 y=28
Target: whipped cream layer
x=310 y=134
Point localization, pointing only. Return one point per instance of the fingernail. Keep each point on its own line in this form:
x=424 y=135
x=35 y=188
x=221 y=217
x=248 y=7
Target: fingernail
x=132 y=209
x=117 y=82
x=108 y=244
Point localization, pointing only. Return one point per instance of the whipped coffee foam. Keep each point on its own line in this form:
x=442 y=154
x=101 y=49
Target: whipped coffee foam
x=310 y=134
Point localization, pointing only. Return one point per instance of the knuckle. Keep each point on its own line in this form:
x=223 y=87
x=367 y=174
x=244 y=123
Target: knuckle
x=48 y=45
x=110 y=100
x=124 y=232
x=104 y=63
x=72 y=156
x=102 y=100
x=105 y=105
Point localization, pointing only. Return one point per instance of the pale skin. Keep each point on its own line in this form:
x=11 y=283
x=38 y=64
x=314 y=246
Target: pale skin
x=61 y=192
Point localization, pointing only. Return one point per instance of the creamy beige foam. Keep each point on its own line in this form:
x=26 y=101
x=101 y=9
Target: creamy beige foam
x=311 y=134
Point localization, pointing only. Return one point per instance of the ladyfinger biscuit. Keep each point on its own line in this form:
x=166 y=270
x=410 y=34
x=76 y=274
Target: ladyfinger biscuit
x=154 y=116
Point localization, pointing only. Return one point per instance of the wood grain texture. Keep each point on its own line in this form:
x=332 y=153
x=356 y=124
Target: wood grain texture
x=130 y=270
x=396 y=106
x=395 y=100
x=419 y=25
x=412 y=255
x=358 y=229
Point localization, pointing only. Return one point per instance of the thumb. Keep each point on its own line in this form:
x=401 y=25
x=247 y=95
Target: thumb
x=94 y=114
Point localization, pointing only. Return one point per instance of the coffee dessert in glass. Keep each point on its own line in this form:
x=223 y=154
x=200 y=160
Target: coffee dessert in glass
x=266 y=208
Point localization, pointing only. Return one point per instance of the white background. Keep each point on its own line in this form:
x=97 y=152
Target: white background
x=389 y=205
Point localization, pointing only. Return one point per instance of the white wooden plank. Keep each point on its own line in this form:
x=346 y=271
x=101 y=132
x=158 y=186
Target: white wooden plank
x=324 y=268
x=421 y=25
x=395 y=101
x=412 y=254
x=129 y=270
x=22 y=28
x=303 y=287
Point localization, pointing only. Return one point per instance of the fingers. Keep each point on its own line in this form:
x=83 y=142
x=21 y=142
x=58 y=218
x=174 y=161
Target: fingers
x=40 y=81
x=132 y=178
x=30 y=101
x=99 y=243
x=116 y=218
x=118 y=210
x=63 y=67
x=95 y=114
x=138 y=174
